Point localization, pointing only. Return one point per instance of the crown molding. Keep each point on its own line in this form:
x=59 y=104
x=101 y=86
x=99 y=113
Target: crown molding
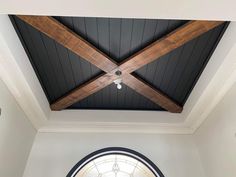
x=115 y=127
x=19 y=76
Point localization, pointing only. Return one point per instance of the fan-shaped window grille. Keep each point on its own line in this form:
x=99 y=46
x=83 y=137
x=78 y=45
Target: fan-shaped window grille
x=115 y=162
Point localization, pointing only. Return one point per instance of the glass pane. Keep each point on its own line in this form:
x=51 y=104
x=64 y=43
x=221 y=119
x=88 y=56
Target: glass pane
x=115 y=166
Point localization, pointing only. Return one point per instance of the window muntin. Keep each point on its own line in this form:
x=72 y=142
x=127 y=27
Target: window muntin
x=115 y=166
x=115 y=162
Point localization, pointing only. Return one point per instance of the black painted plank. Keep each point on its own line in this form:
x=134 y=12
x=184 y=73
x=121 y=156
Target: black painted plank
x=79 y=26
x=21 y=31
x=39 y=52
x=56 y=65
x=137 y=35
x=103 y=34
x=76 y=67
x=115 y=38
x=63 y=56
x=170 y=67
x=120 y=105
x=60 y=70
x=193 y=60
x=180 y=67
x=203 y=59
x=126 y=36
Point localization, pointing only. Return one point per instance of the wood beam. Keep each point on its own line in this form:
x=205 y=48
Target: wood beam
x=83 y=91
x=152 y=94
x=168 y=43
x=63 y=35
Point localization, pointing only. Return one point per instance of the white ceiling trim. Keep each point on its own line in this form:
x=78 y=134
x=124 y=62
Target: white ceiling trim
x=164 y=9
x=18 y=74
x=216 y=79
x=21 y=80
x=116 y=127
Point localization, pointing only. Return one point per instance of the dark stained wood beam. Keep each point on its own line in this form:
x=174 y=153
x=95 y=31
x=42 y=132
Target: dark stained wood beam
x=168 y=43
x=100 y=82
x=76 y=44
x=152 y=94
x=83 y=91
x=63 y=35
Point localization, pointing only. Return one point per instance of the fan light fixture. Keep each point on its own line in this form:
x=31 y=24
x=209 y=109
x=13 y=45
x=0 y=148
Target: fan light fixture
x=119 y=80
x=118 y=83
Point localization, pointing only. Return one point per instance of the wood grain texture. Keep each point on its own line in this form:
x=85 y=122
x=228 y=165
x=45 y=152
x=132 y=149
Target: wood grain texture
x=83 y=91
x=70 y=40
x=76 y=44
x=168 y=43
x=152 y=94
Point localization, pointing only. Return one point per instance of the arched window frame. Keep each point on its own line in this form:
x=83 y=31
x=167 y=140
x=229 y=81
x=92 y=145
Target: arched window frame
x=113 y=151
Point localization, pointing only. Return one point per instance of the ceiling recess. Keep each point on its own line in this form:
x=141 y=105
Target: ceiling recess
x=81 y=61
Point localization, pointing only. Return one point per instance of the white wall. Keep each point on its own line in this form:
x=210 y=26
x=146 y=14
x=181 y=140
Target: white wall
x=216 y=138
x=16 y=136
x=210 y=152
x=54 y=154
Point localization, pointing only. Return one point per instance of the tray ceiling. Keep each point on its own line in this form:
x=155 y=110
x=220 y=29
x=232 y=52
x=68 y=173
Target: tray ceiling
x=59 y=70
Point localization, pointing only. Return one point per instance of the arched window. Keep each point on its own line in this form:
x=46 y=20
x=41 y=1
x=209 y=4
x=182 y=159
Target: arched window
x=115 y=162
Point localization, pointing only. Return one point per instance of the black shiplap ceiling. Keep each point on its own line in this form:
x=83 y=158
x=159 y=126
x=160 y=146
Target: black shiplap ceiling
x=60 y=70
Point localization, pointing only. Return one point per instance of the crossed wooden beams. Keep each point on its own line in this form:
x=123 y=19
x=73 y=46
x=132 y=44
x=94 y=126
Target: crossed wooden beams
x=78 y=45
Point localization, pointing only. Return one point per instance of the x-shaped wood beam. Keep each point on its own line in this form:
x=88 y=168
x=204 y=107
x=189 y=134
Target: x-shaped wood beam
x=78 y=45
